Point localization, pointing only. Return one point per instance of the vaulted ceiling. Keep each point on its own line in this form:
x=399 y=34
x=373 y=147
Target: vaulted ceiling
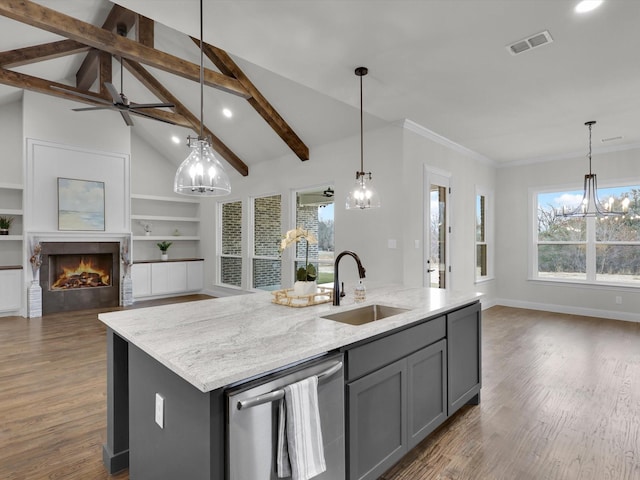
x=442 y=64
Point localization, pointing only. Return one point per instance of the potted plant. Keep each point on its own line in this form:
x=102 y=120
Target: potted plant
x=306 y=275
x=5 y=224
x=164 y=246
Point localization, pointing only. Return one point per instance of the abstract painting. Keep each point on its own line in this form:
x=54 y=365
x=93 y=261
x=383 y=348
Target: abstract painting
x=80 y=204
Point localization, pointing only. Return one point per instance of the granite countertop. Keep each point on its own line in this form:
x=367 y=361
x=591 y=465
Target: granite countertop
x=218 y=342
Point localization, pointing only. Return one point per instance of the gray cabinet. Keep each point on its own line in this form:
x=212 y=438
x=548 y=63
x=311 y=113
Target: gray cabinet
x=464 y=357
x=426 y=391
x=400 y=399
x=377 y=421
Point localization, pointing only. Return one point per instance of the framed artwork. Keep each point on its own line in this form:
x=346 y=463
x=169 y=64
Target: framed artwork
x=80 y=204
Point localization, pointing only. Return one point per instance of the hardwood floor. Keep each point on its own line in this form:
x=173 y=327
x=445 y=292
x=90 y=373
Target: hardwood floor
x=560 y=400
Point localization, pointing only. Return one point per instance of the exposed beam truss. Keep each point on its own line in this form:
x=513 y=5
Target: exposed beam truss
x=102 y=43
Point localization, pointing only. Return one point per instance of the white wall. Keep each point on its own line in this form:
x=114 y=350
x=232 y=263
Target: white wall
x=11 y=140
x=51 y=119
x=397 y=159
x=151 y=172
x=513 y=233
x=467 y=173
x=365 y=231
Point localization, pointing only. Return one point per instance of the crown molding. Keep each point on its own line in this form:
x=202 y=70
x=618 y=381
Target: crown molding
x=431 y=135
x=567 y=156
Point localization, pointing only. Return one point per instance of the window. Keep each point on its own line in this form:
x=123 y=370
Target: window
x=594 y=250
x=231 y=244
x=267 y=232
x=314 y=212
x=484 y=236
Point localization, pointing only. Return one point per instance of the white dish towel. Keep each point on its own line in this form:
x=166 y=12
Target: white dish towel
x=300 y=451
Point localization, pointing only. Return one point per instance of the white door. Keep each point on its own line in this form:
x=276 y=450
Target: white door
x=437 y=272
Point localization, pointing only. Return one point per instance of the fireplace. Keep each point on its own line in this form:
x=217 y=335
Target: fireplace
x=79 y=275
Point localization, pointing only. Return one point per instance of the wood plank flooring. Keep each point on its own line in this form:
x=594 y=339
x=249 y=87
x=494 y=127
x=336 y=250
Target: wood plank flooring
x=560 y=400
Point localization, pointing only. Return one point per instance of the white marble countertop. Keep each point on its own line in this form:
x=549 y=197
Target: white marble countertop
x=218 y=342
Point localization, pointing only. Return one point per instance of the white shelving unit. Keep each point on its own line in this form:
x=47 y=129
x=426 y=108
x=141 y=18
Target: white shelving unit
x=172 y=219
x=11 y=249
x=11 y=205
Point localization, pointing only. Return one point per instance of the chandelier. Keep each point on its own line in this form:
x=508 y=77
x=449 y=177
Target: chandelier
x=201 y=173
x=591 y=206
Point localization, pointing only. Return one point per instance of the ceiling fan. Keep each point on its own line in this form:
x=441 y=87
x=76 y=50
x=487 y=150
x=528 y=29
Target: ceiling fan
x=120 y=103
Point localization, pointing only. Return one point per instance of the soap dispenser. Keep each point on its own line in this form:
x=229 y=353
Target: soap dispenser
x=360 y=292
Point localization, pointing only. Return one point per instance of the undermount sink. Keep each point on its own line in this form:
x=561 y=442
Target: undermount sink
x=367 y=314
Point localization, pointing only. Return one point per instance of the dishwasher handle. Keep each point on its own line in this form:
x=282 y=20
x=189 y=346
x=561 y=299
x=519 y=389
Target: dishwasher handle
x=278 y=394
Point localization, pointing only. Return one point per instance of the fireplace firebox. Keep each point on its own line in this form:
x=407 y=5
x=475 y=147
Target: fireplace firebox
x=79 y=275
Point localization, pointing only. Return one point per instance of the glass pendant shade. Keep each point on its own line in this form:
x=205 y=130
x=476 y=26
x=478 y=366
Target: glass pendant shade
x=201 y=173
x=363 y=194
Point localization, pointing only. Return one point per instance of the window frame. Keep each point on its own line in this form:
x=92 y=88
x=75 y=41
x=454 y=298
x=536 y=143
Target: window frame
x=489 y=234
x=590 y=243
x=219 y=242
x=251 y=246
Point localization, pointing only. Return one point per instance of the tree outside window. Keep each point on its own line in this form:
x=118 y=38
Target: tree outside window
x=593 y=249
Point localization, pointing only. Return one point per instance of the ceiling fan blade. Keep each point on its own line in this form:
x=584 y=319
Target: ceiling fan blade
x=87 y=109
x=113 y=92
x=81 y=95
x=151 y=105
x=127 y=118
x=152 y=117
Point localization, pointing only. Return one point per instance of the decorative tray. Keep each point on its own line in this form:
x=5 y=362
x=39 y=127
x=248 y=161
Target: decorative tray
x=288 y=298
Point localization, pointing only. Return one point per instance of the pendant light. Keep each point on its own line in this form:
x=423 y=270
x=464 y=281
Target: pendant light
x=362 y=195
x=591 y=206
x=201 y=173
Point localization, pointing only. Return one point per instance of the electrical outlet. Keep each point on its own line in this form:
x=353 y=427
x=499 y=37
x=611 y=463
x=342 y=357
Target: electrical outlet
x=618 y=300
x=160 y=410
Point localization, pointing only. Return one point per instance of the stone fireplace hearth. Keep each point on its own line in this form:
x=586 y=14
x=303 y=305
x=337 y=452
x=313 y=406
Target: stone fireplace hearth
x=79 y=275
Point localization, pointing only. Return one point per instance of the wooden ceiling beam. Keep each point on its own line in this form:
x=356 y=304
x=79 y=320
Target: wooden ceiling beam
x=50 y=20
x=151 y=83
x=146 y=31
x=38 y=53
x=88 y=71
x=105 y=70
x=39 y=85
x=91 y=68
x=227 y=66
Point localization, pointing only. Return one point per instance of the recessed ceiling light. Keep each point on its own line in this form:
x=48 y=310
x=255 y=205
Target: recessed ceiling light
x=587 y=5
x=227 y=113
x=175 y=139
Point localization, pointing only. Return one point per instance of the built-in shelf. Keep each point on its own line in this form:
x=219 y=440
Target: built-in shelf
x=11 y=186
x=14 y=238
x=170 y=219
x=158 y=198
x=11 y=206
x=162 y=218
x=10 y=211
x=159 y=238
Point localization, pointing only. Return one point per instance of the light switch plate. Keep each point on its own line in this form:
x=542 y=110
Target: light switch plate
x=160 y=410
x=392 y=243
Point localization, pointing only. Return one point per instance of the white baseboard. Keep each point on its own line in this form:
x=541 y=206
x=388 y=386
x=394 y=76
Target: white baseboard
x=571 y=310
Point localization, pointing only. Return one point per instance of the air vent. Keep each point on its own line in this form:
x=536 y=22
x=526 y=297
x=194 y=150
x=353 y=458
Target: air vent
x=534 y=41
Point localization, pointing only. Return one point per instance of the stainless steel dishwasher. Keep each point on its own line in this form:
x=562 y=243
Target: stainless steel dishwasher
x=252 y=420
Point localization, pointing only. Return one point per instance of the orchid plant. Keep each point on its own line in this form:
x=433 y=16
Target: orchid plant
x=308 y=272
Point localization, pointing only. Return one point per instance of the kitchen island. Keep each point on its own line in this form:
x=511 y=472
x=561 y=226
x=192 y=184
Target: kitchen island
x=200 y=348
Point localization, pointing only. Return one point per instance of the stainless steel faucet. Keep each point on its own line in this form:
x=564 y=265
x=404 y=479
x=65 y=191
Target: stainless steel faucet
x=337 y=293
